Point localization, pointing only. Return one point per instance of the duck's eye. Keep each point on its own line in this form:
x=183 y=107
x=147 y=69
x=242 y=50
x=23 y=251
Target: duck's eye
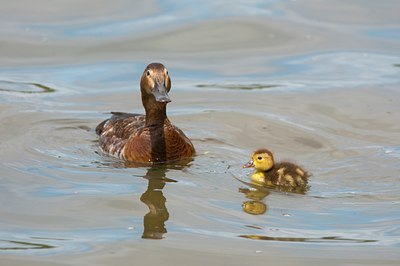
x=259 y=158
x=167 y=72
x=148 y=73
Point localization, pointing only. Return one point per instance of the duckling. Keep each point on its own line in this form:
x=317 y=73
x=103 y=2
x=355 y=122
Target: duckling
x=284 y=175
x=149 y=138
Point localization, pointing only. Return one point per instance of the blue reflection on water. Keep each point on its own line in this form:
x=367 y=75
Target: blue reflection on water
x=171 y=14
x=50 y=242
x=89 y=189
x=305 y=71
x=390 y=33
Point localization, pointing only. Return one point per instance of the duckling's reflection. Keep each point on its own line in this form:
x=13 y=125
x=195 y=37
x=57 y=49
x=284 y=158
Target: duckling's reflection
x=154 y=220
x=256 y=194
x=255 y=205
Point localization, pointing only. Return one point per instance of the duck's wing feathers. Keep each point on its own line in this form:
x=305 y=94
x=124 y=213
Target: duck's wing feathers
x=115 y=131
x=121 y=125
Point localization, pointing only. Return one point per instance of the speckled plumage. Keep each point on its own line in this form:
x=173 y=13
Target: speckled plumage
x=286 y=174
x=149 y=138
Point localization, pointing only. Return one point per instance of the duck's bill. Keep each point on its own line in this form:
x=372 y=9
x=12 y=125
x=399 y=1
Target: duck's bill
x=161 y=94
x=248 y=164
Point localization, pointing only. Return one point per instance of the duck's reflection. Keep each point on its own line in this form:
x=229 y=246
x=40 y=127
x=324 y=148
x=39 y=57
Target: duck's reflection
x=255 y=204
x=154 y=220
x=153 y=197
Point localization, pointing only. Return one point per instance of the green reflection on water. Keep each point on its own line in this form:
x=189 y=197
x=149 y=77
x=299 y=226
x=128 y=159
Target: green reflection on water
x=306 y=239
x=24 y=87
x=23 y=245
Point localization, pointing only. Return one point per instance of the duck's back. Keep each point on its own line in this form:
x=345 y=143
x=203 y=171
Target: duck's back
x=116 y=131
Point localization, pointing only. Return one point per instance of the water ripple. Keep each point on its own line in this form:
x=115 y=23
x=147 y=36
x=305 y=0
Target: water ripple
x=24 y=87
x=324 y=239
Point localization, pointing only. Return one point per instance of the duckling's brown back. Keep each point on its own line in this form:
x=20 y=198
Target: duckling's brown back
x=287 y=174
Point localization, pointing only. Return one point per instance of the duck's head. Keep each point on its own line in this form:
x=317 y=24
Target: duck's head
x=261 y=159
x=155 y=84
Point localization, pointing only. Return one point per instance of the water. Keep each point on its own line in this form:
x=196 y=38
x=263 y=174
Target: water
x=317 y=83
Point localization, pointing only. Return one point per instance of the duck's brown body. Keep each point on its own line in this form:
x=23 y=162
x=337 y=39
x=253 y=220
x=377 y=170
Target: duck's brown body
x=149 y=138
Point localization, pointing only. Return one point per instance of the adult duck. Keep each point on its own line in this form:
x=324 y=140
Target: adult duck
x=149 y=138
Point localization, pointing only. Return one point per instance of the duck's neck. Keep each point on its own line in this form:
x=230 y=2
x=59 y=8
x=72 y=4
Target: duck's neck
x=156 y=114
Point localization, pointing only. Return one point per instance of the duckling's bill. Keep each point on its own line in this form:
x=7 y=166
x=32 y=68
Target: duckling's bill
x=248 y=164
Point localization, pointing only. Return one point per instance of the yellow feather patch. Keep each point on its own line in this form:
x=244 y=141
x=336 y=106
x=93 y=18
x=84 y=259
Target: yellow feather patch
x=258 y=177
x=290 y=179
x=299 y=171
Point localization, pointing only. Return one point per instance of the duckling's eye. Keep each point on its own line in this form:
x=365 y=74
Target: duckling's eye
x=167 y=72
x=148 y=73
x=259 y=158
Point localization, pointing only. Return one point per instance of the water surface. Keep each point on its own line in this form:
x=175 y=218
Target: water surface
x=317 y=82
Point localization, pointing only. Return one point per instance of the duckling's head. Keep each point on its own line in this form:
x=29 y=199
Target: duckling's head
x=261 y=159
x=155 y=83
